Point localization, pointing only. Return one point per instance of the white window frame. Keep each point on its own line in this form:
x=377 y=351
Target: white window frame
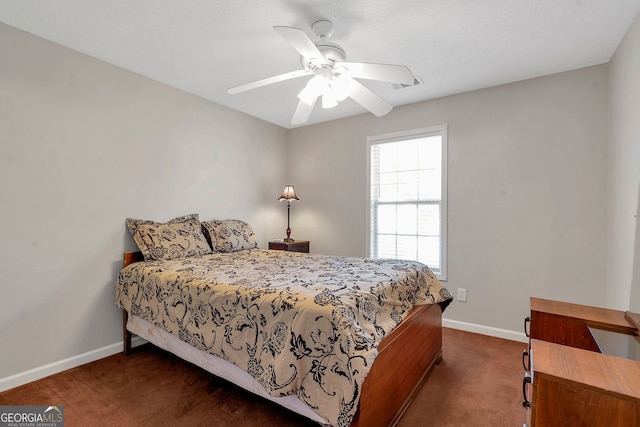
x=413 y=134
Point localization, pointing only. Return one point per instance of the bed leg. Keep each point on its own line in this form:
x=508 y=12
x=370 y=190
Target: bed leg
x=126 y=335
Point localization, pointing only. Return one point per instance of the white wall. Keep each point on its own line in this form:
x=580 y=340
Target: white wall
x=527 y=171
x=623 y=233
x=84 y=146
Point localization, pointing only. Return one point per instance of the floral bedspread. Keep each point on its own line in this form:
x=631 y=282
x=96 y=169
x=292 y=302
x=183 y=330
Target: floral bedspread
x=301 y=324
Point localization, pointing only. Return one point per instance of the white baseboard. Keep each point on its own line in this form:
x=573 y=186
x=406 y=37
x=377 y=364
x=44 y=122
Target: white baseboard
x=486 y=330
x=63 y=365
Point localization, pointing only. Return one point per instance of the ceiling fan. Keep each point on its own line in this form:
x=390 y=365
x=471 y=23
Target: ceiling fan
x=334 y=79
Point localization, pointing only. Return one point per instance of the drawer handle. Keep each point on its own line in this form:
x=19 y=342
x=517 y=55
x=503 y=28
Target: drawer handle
x=525 y=356
x=526 y=321
x=525 y=381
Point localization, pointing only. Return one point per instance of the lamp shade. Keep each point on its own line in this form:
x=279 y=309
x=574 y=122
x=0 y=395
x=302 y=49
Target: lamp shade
x=288 y=194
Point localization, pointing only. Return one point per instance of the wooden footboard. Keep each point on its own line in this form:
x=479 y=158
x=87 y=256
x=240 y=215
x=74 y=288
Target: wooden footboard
x=403 y=362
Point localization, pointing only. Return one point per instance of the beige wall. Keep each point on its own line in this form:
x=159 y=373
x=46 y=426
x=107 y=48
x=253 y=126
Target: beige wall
x=85 y=145
x=527 y=171
x=623 y=260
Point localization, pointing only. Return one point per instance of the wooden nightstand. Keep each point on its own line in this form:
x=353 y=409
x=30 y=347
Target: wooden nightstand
x=295 y=246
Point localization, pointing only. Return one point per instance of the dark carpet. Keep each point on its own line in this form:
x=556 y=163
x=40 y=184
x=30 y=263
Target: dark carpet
x=478 y=383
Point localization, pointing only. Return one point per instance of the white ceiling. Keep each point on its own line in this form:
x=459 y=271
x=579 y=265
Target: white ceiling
x=206 y=46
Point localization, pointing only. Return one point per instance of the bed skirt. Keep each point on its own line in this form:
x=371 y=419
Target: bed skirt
x=215 y=365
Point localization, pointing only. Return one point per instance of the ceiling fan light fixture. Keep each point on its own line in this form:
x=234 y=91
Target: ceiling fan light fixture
x=333 y=90
x=329 y=99
x=341 y=88
x=314 y=88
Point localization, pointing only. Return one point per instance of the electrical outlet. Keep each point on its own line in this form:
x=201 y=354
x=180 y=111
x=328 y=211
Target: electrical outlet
x=462 y=294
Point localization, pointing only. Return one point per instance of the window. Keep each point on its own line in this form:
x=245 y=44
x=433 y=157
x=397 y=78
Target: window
x=407 y=195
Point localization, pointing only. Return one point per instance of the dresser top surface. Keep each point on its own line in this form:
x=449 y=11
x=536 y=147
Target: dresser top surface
x=595 y=316
x=607 y=373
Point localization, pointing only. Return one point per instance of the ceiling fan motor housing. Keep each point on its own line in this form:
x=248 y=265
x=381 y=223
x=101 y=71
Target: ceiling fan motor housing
x=332 y=53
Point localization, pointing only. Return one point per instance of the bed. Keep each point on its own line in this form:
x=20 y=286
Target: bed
x=340 y=340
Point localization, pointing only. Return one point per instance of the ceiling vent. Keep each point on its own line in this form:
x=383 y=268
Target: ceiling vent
x=416 y=81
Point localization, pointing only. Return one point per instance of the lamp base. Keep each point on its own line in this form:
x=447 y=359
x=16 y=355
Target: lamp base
x=288 y=239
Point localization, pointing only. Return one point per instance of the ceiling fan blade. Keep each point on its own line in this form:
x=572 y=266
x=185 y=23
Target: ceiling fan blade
x=301 y=42
x=382 y=72
x=303 y=111
x=369 y=100
x=268 y=81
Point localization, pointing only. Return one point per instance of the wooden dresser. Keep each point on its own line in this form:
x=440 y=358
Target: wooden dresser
x=572 y=376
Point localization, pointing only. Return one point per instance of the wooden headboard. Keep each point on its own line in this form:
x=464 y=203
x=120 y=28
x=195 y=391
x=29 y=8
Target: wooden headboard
x=131 y=257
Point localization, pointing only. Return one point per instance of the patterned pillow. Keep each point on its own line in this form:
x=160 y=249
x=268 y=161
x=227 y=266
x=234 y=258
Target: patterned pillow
x=179 y=238
x=230 y=235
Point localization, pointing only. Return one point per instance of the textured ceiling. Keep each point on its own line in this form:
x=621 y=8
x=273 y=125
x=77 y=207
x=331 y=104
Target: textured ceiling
x=206 y=46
